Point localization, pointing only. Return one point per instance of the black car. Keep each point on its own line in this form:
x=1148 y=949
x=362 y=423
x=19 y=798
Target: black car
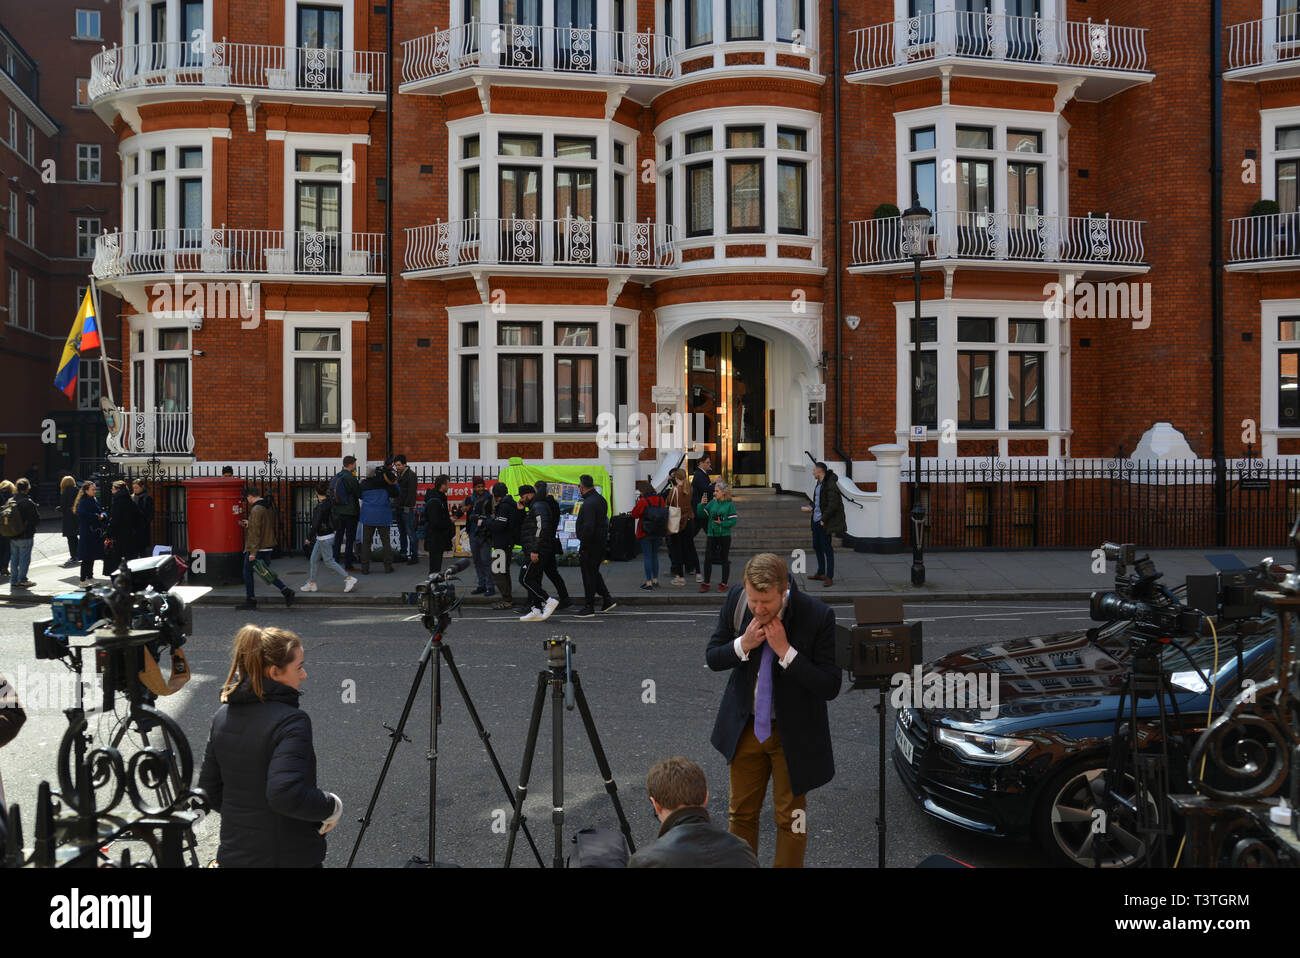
x=1029 y=772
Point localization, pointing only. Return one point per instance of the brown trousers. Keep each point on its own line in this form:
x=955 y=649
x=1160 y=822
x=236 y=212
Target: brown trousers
x=751 y=767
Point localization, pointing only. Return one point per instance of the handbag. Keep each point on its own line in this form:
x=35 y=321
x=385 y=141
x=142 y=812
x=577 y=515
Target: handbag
x=263 y=571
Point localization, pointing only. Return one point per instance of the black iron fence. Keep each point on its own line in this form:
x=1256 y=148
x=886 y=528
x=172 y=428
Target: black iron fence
x=292 y=490
x=1078 y=503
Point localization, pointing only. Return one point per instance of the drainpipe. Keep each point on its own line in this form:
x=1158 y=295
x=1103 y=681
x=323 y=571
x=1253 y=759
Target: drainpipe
x=839 y=221
x=1216 y=272
x=388 y=230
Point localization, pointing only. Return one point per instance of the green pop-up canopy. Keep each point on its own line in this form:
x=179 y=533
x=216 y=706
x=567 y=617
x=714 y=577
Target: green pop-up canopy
x=561 y=480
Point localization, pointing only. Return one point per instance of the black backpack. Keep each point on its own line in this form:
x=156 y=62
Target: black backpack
x=654 y=520
x=11 y=518
x=598 y=848
x=339 y=494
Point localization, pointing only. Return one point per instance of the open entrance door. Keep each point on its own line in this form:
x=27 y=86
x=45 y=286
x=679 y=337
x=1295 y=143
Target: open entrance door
x=726 y=382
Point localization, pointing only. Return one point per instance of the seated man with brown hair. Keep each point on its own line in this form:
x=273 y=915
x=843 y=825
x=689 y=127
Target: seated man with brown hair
x=687 y=838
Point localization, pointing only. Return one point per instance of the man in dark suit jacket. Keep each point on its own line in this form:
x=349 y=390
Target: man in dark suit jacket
x=687 y=839
x=780 y=647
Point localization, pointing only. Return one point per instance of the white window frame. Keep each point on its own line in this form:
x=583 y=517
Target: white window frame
x=90 y=384
x=1271 y=313
x=771 y=119
x=292 y=323
x=139 y=147
x=719 y=42
x=488 y=128
x=13 y=129
x=91 y=18
x=150 y=325
x=129 y=9
x=31 y=302
x=31 y=224
x=347 y=145
x=604 y=319
x=31 y=144
x=998 y=8
x=89 y=235
x=78 y=99
x=947 y=312
x=1270 y=121
x=89 y=154
x=946 y=119
x=13 y=214
x=12 y=317
x=291 y=19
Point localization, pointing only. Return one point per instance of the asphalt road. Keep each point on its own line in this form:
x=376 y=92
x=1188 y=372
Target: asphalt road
x=650 y=693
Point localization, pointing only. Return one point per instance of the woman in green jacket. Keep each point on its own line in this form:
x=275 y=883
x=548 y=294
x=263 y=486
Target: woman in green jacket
x=719 y=516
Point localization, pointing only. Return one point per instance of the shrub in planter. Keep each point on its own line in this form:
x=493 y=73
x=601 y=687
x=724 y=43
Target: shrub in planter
x=890 y=234
x=1268 y=236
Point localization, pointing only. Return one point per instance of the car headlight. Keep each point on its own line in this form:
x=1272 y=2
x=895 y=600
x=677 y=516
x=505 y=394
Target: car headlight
x=983 y=748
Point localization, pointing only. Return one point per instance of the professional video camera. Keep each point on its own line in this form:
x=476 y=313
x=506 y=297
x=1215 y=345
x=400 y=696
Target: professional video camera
x=1157 y=611
x=436 y=597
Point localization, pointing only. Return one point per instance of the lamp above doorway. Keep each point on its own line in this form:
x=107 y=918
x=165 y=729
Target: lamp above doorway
x=738 y=336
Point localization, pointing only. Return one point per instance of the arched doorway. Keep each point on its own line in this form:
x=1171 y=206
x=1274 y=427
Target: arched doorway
x=726 y=384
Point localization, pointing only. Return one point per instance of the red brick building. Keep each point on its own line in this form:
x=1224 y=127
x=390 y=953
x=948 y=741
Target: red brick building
x=60 y=191
x=680 y=208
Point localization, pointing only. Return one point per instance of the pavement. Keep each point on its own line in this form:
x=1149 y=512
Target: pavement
x=1040 y=574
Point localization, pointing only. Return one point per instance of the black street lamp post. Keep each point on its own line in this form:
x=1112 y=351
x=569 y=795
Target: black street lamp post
x=916 y=235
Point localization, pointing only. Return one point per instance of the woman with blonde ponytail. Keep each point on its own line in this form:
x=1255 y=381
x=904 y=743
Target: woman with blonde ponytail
x=259 y=770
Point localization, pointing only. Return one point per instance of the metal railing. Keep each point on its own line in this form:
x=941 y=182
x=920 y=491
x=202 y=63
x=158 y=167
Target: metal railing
x=279 y=252
x=571 y=241
x=1078 y=503
x=220 y=63
x=521 y=46
x=1004 y=236
x=157 y=433
x=1272 y=40
x=996 y=37
x=1273 y=236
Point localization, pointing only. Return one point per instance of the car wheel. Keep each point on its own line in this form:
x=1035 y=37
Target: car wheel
x=1070 y=824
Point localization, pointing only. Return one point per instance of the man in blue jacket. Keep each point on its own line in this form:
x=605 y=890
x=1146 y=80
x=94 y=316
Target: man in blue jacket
x=779 y=645
x=377 y=496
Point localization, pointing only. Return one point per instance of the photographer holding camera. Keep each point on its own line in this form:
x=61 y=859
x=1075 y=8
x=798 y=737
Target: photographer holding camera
x=259 y=769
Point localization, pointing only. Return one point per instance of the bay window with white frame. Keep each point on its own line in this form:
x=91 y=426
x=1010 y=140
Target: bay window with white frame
x=166 y=189
x=988 y=370
x=704 y=23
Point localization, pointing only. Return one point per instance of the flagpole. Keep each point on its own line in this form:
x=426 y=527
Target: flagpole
x=103 y=336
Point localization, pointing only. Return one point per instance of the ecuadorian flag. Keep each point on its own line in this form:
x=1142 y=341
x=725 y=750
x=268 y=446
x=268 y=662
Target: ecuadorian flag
x=84 y=335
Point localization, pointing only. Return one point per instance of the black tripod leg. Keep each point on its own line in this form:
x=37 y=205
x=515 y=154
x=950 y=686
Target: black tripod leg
x=435 y=719
x=557 y=771
x=880 y=819
x=530 y=746
x=397 y=737
x=487 y=744
x=602 y=762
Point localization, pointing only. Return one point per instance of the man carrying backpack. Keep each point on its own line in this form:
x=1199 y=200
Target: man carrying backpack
x=18 y=521
x=259 y=540
x=345 y=493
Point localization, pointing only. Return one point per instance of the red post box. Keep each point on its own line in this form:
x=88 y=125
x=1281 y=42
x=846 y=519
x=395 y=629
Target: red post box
x=213 y=507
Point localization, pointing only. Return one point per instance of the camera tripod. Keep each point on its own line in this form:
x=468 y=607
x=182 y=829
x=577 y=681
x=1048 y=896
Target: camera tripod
x=567 y=688
x=437 y=650
x=1147 y=806
x=882 y=685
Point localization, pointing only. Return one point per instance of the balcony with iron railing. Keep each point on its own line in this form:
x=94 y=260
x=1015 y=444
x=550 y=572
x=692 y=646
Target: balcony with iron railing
x=144 y=434
x=1263 y=244
x=154 y=72
x=517 y=53
x=1267 y=49
x=301 y=255
x=1004 y=241
x=1103 y=59
x=563 y=246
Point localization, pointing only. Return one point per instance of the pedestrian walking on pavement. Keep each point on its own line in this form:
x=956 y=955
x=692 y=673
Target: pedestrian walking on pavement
x=143 y=545
x=67 y=509
x=504 y=532
x=701 y=490
x=378 y=493
x=592 y=529
x=827 y=521
x=549 y=559
x=681 y=528
x=408 y=537
x=718 y=516
x=651 y=515
x=323 y=530
x=536 y=536
x=7 y=490
x=90 y=538
x=259 y=540
x=123 y=520
x=19 y=518
x=345 y=492
x=439 y=529
x=259 y=767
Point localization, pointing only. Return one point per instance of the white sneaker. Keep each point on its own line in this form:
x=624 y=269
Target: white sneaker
x=349 y=583
x=551 y=605
x=532 y=615
x=699 y=577
x=307 y=587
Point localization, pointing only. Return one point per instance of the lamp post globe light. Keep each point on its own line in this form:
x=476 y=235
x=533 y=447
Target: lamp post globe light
x=916 y=236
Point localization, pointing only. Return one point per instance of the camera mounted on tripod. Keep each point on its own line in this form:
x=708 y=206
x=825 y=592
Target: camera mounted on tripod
x=436 y=597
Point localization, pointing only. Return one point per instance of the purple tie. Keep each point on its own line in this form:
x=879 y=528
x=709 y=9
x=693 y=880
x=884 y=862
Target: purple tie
x=763 y=700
